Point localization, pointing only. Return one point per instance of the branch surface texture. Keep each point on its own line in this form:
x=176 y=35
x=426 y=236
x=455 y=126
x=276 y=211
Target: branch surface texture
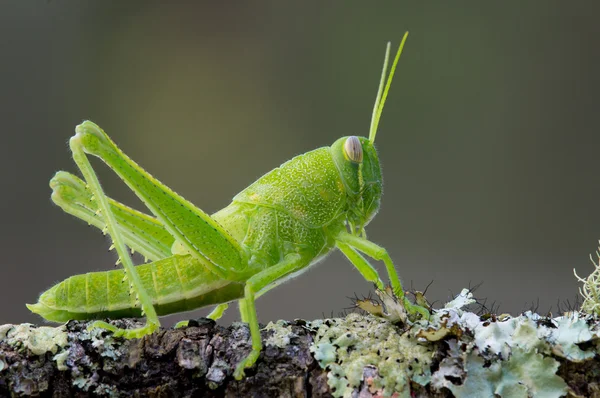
x=456 y=353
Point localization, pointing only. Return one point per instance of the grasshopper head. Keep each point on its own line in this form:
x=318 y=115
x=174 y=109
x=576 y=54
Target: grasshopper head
x=357 y=160
x=358 y=163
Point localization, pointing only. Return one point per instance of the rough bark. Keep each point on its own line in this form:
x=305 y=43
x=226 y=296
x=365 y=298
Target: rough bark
x=193 y=361
x=199 y=361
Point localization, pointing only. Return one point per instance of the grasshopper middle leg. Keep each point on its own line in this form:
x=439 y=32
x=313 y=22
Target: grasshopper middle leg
x=254 y=285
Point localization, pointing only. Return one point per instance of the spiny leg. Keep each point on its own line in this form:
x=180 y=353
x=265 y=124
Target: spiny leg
x=379 y=253
x=140 y=232
x=201 y=236
x=152 y=322
x=256 y=284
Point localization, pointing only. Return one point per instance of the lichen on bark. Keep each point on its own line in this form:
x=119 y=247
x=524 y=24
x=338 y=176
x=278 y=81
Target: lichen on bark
x=455 y=353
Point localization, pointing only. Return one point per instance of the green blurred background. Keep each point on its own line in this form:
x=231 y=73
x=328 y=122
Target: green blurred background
x=489 y=139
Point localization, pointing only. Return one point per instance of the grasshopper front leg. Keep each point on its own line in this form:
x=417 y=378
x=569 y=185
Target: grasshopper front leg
x=347 y=243
x=152 y=322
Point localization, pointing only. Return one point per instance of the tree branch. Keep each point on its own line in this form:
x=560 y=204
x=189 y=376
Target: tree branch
x=363 y=356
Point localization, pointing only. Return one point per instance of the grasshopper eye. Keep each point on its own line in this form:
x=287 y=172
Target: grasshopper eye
x=353 y=149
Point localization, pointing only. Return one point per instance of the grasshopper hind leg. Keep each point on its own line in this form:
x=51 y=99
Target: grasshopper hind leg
x=112 y=228
x=200 y=235
x=141 y=232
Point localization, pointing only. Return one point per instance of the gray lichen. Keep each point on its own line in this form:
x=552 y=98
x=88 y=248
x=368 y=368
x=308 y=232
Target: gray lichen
x=591 y=288
x=455 y=353
x=281 y=334
x=506 y=356
x=36 y=342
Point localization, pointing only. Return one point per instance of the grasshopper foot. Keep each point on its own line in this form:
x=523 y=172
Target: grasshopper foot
x=217 y=313
x=246 y=363
x=415 y=308
x=125 y=333
x=181 y=324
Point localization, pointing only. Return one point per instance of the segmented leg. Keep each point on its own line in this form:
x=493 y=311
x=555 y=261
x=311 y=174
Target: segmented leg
x=378 y=253
x=255 y=284
x=142 y=233
x=362 y=265
x=196 y=231
x=152 y=322
x=200 y=235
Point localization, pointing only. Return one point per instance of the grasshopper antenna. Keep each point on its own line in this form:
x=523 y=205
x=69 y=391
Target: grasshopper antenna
x=381 y=92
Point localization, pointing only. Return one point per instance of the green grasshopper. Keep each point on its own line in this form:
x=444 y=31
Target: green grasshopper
x=275 y=229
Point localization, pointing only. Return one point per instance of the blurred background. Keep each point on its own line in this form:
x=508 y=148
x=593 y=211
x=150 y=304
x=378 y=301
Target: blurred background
x=489 y=139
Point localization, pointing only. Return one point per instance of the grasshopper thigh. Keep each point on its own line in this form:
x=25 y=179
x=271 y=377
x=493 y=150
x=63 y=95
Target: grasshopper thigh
x=200 y=234
x=141 y=232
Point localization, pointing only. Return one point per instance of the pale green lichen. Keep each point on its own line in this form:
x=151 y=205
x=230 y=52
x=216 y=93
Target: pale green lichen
x=508 y=356
x=570 y=331
x=282 y=333
x=496 y=337
x=525 y=374
x=38 y=340
x=61 y=359
x=346 y=346
x=4 y=330
x=501 y=356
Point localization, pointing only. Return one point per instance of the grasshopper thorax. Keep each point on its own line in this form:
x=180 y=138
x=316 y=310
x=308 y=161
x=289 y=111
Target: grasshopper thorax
x=358 y=164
